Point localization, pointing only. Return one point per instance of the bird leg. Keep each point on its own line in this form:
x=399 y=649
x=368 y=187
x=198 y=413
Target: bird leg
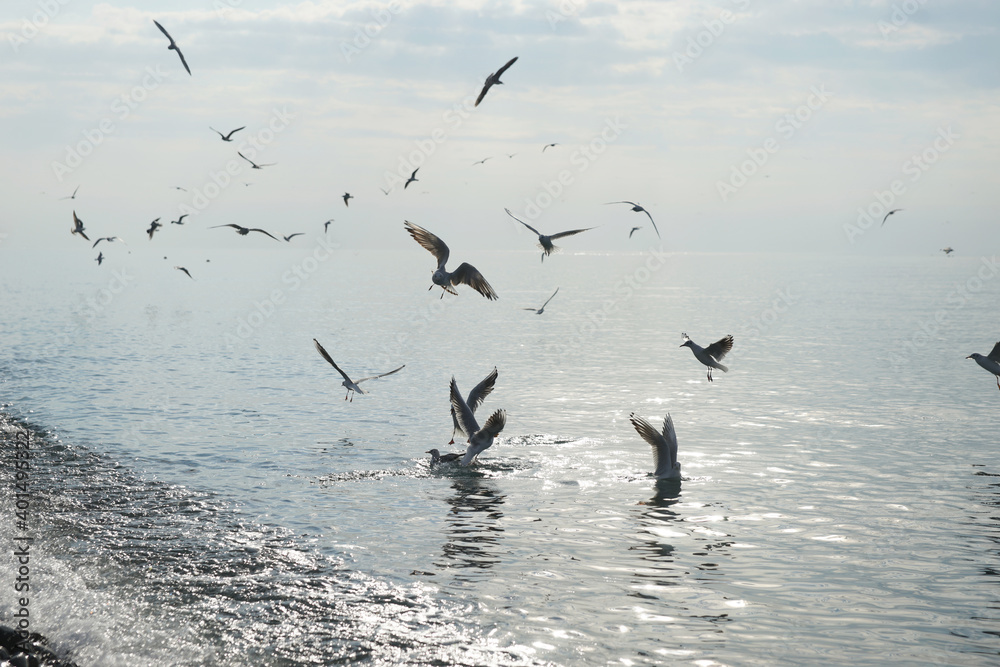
x=452 y=442
x=998 y=382
x=710 y=374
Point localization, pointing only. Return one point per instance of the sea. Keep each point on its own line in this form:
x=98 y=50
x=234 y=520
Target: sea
x=201 y=493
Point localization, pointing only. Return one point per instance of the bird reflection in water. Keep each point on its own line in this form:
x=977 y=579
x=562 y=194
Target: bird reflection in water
x=473 y=528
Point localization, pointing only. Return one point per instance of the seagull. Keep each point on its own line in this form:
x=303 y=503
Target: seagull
x=100 y=258
x=494 y=80
x=412 y=178
x=545 y=242
x=474 y=400
x=181 y=268
x=173 y=46
x=990 y=362
x=548 y=146
x=177 y=187
x=227 y=137
x=291 y=236
x=664 y=446
x=541 y=310
x=465 y=273
x=243 y=231
x=153 y=226
x=711 y=355
x=634 y=230
x=180 y=220
x=386 y=192
x=72 y=196
x=948 y=250
x=348 y=195
x=510 y=155
x=109 y=239
x=888 y=214
x=638 y=209
x=351 y=385
x=481 y=438
x=326 y=225
x=253 y=164
x=438 y=457
x=480 y=162
x=78 y=226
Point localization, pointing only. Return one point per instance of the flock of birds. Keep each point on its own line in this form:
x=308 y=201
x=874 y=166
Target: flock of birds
x=463 y=408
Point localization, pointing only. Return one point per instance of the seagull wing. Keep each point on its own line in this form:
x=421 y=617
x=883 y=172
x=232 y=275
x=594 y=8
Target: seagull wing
x=522 y=222
x=235 y=131
x=720 y=348
x=504 y=68
x=257 y=229
x=654 y=223
x=464 y=414
x=98 y=241
x=164 y=31
x=630 y=203
x=183 y=61
x=469 y=275
x=661 y=448
x=482 y=93
x=496 y=423
x=671 y=437
x=380 y=375
x=233 y=225
x=569 y=233
x=292 y=236
x=323 y=353
x=995 y=354
x=430 y=242
x=550 y=299
x=481 y=391
x=245 y=158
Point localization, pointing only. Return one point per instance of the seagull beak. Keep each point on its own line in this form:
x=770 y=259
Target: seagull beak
x=969 y=357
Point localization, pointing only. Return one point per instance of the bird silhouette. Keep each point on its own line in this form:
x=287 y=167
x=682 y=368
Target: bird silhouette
x=412 y=178
x=539 y=311
x=78 y=226
x=464 y=274
x=351 y=385
x=638 y=209
x=711 y=355
x=254 y=164
x=545 y=240
x=494 y=80
x=895 y=210
x=227 y=137
x=173 y=46
x=243 y=231
x=153 y=226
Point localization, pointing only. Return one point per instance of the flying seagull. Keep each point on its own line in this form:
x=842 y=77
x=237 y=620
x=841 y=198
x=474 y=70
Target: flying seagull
x=494 y=80
x=384 y=191
x=173 y=46
x=638 y=209
x=948 y=250
x=634 y=230
x=227 y=137
x=412 y=178
x=480 y=162
x=177 y=187
x=78 y=226
x=326 y=225
x=664 y=444
x=895 y=210
x=254 y=164
x=180 y=220
x=186 y=272
x=464 y=274
x=548 y=146
x=243 y=231
x=544 y=241
x=539 y=311
x=109 y=239
x=481 y=438
x=291 y=236
x=711 y=355
x=437 y=457
x=100 y=258
x=990 y=362
x=351 y=385
x=474 y=400
x=153 y=226
x=348 y=195
x=72 y=196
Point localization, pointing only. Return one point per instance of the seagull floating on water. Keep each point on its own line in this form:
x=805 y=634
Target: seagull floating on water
x=352 y=386
x=227 y=137
x=895 y=210
x=253 y=164
x=494 y=80
x=539 y=311
x=173 y=46
x=638 y=209
x=664 y=444
x=990 y=362
x=474 y=400
x=711 y=355
x=464 y=274
x=545 y=241
x=78 y=226
x=437 y=457
x=243 y=231
x=480 y=439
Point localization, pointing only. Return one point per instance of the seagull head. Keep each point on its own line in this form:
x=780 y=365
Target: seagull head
x=433 y=452
x=686 y=343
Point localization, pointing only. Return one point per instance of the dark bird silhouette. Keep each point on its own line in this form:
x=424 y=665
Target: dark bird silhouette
x=186 y=272
x=153 y=226
x=109 y=239
x=511 y=154
x=72 y=196
x=243 y=231
x=539 y=311
x=895 y=210
x=990 y=362
x=384 y=191
x=326 y=225
x=100 y=258
x=548 y=146
x=634 y=230
x=412 y=178
x=173 y=46
x=711 y=355
x=481 y=161
x=545 y=241
x=352 y=386
x=78 y=226
x=464 y=274
x=948 y=250
x=494 y=80
x=180 y=220
x=227 y=137
x=638 y=209
x=254 y=164
x=348 y=195
x=480 y=439
x=474 y=400
x=177 y=187
x=292 y=236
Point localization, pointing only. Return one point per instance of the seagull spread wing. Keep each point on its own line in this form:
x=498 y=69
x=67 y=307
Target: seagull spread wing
x=653 y=221
x=720 y=348
x=523 y=222
x=430 y=242
x=496 y=423
x=255 y=229
x=482 y=390
x=469 y=275
x=323 y=353
x=995 y=354
x=660 y=442
x=164 y=31
x=505 y=68
x=466 y=419
x=569 y=233
x=550 y=298
x=380 y=375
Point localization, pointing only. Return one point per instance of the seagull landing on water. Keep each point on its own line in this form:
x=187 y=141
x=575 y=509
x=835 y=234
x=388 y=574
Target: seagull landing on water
x=437 y=457
x=481 y=438
x=539 y=311
x=352 y=386
x=474 y=400
x=664 y=444
x=464 y=274
x=711 y=355
x=544 y=240
x=990 y=362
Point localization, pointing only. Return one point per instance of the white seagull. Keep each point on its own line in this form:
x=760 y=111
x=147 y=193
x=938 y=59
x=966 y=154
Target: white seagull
x=539 y=311
x=544 y=240
x=474 y=400
x=464 y=274
x=711 y=355
x=352 y=386
x=481 y=438
x=990 y=362
x=664 y=446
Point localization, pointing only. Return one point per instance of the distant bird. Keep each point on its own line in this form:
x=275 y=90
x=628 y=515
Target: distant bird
x=494 y=80
x=948 y=250
x=326 y=225
x=173 y=46
x=109 y=239
x=510 y=155
x=474 y=400
x=72 y=196
x=100 y=258
x=664 y=444
x=437 y=457
x=384 y=191
x=711 y=355
x=180 y=220
x=153 y=226
x=638 y=209
x=634 y=230
x=243 y=231
x=480 y=162
x=545 y=241
x=292 y=236
x=412 y=178
x=78 y=226
x=464 y=274
x=254 y=164
x=177 y=187
x=348 y=195
x=895 y=210
x=990 y=362
x=351 y=385
x=548 y=146
x=539 y=311
x=227 y=137
x=186 y=272
x=480 y=439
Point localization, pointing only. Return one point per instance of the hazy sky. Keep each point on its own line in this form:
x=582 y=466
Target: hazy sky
x=741 y=125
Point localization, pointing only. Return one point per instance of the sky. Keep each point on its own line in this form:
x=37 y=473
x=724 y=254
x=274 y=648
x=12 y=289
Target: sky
x=740 y=125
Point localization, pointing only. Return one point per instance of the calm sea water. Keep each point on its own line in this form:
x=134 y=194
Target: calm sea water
x=202 y=493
